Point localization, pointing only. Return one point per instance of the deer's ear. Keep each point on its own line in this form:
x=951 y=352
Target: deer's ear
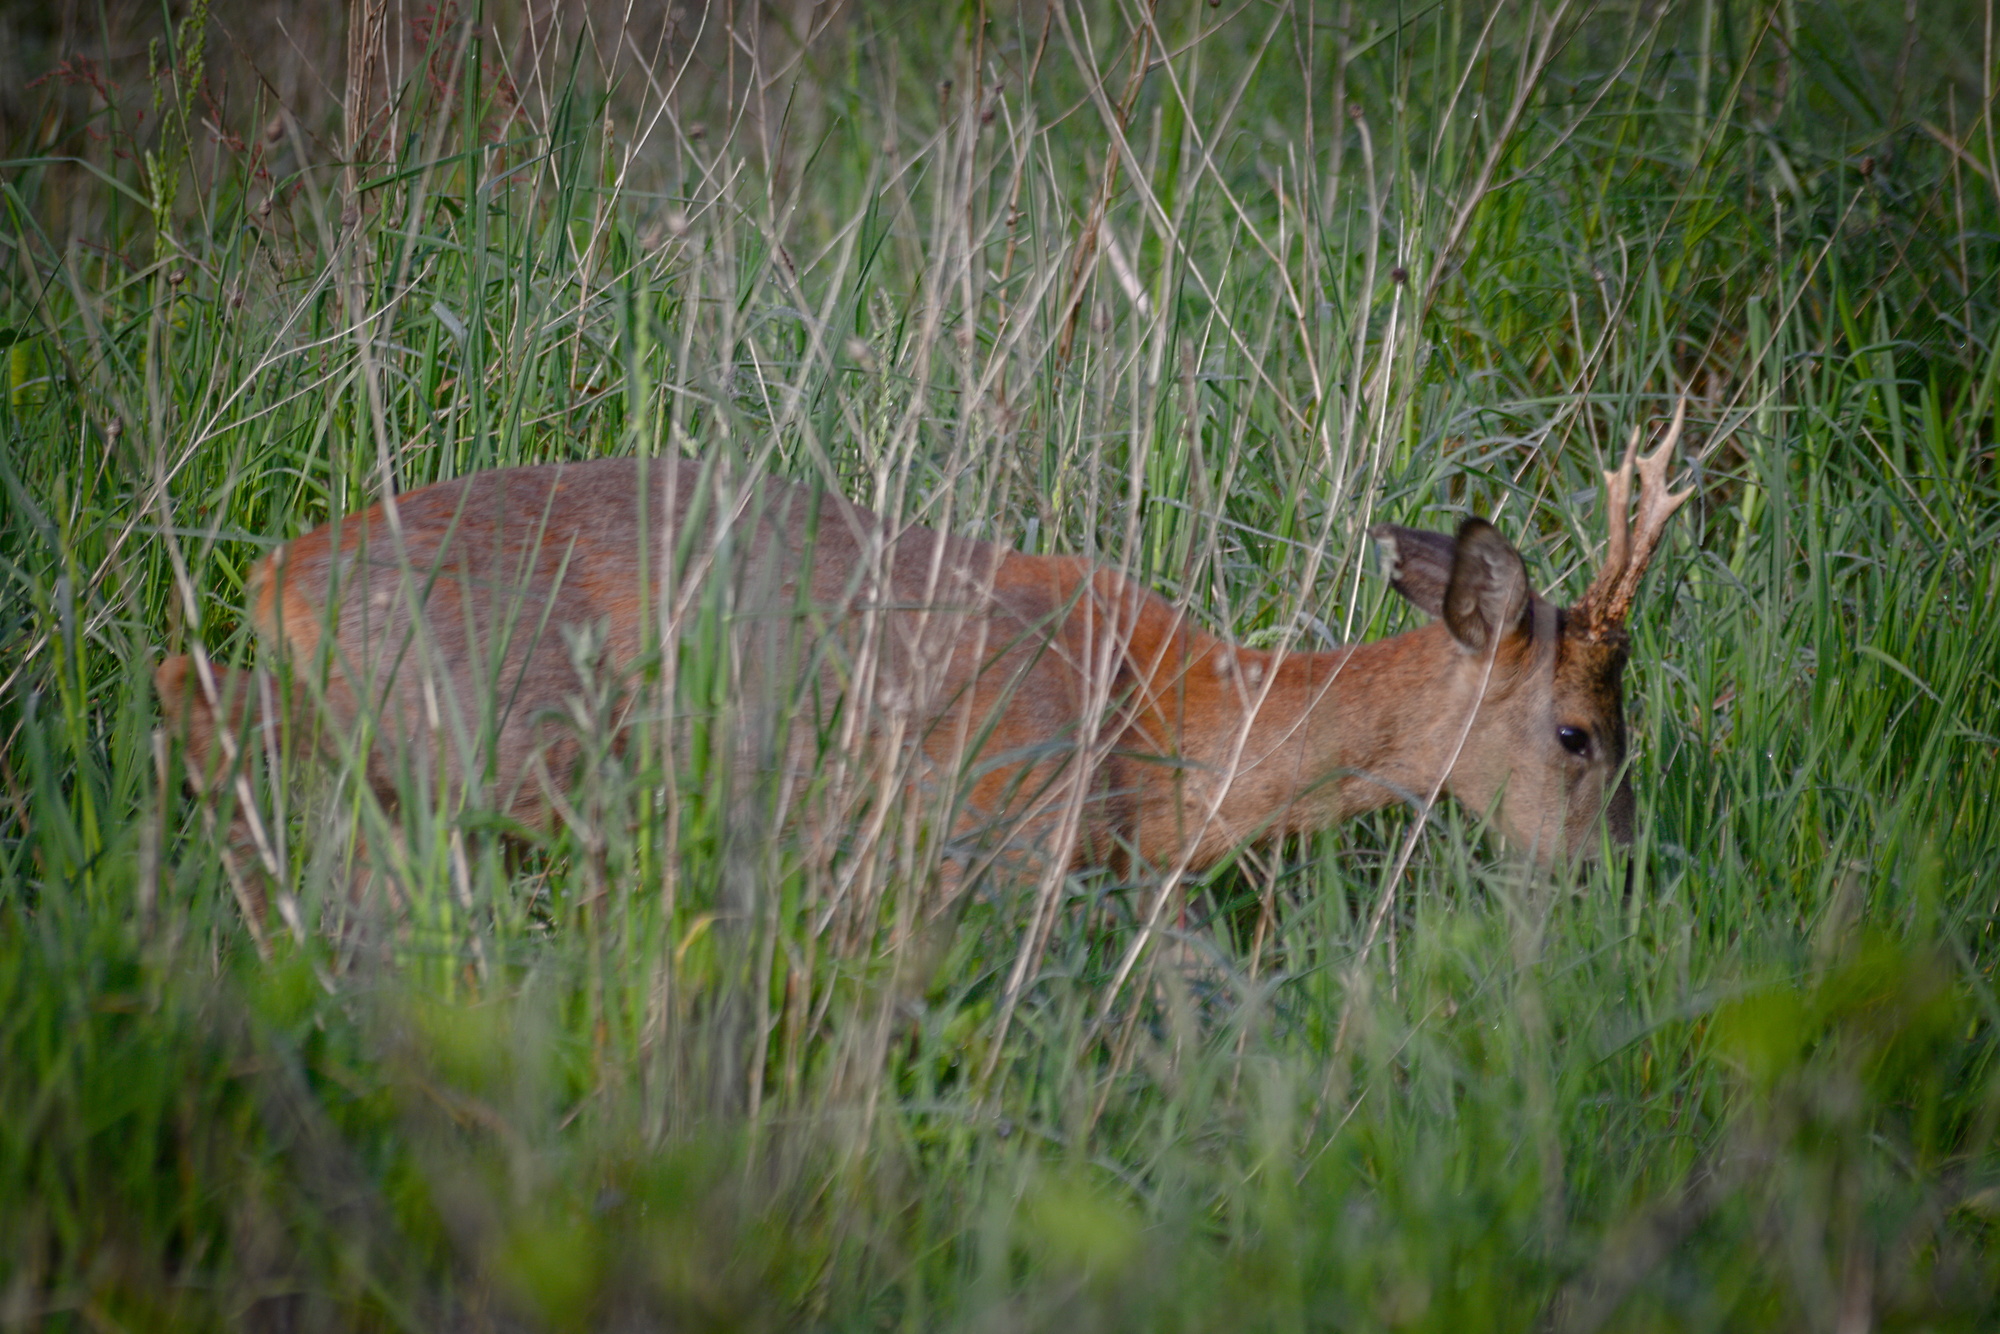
x=1488 y=594
x=1417 y=563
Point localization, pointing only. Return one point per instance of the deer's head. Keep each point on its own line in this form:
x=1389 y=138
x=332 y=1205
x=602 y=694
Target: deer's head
x=1534 y=730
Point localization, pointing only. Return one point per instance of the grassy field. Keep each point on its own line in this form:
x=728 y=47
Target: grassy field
x=1201 y=292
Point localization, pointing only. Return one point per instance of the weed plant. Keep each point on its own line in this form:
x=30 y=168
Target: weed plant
x=1201 y=292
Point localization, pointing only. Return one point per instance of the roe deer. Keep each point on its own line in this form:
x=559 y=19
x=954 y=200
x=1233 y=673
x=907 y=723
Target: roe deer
x=1071 y=713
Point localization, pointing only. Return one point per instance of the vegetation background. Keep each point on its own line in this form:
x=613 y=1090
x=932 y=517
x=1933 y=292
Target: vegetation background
x=1201 y=290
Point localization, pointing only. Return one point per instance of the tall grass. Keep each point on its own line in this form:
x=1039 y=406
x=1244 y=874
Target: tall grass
x=1201 y=292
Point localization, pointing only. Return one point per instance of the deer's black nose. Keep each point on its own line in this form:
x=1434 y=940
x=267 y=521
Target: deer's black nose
x=1618 y=814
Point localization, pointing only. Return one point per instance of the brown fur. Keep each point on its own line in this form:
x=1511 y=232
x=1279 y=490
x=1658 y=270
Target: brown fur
x=1091 y=721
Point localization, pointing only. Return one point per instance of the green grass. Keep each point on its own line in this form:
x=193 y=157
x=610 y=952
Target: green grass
x=666 y=1070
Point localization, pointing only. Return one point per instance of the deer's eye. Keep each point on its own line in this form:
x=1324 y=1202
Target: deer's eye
x=1574 y=739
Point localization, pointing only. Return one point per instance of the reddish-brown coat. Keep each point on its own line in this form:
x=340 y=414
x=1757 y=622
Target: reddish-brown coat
x=1081 y=715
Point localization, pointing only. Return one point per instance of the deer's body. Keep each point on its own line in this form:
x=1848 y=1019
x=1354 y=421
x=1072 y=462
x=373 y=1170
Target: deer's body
x=1077 y=714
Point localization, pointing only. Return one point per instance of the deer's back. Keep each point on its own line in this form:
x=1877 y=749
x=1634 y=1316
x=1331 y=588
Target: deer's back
x=459 y=626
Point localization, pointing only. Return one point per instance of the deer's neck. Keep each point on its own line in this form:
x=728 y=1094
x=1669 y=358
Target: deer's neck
x=1288 y=742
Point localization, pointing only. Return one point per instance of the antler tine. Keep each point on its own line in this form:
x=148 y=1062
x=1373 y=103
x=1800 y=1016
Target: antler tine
x=1657 y=504
x=1617 y=499
x=1630 y=548
x=1589 y=611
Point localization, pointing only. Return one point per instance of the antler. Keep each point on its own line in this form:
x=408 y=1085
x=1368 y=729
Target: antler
x=1600 y=613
